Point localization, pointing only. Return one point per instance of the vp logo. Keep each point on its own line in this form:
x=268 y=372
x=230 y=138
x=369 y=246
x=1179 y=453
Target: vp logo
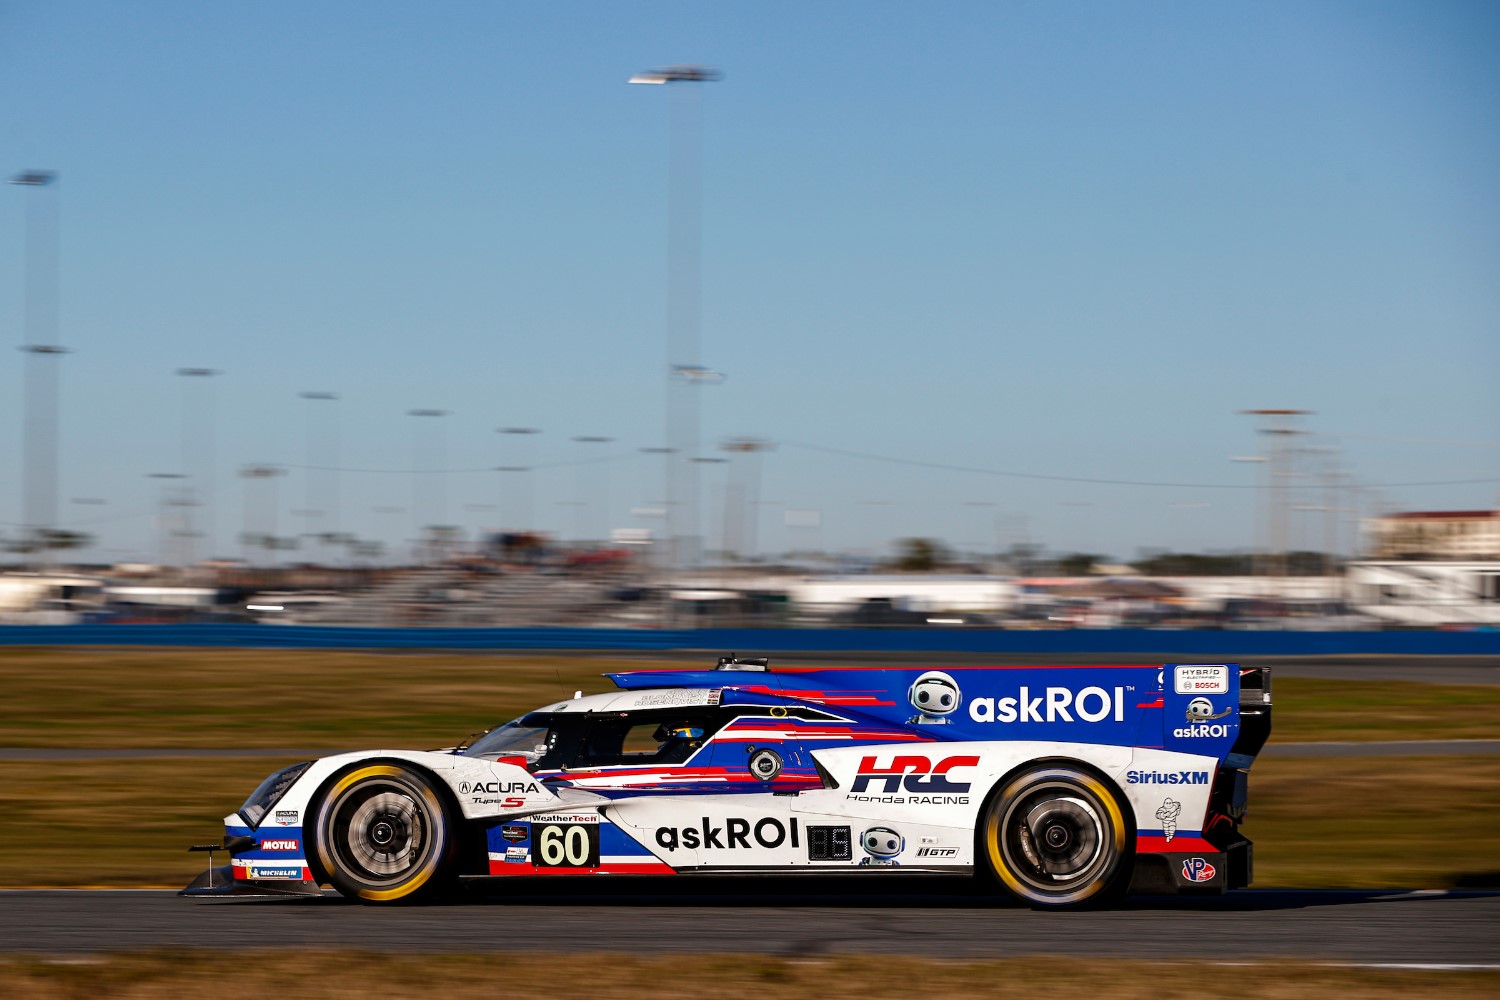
x=915 y=774
x=1197 y=870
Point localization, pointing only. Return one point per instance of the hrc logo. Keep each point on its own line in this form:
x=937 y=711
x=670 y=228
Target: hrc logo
x=915 y=774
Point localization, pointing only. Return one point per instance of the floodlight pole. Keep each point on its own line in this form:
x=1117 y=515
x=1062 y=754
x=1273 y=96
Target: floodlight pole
x=684 y=305
x=40 y=407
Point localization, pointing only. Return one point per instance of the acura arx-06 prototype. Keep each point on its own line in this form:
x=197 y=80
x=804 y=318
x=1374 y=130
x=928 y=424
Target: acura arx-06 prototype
x=1063 y=785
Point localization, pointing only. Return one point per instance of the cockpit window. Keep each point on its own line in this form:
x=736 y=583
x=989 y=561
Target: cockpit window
x=645 y=738
x=530 y=736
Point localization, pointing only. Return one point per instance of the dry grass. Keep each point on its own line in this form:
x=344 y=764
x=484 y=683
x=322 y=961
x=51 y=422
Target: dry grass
x=110 y=822
x=347 y=974
x=1370 y=822
x=275 y=698
x=1328 y=822
x=1315 y=710
x=341 y=699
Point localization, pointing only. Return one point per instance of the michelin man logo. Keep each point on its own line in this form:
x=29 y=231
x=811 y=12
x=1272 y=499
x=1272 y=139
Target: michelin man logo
x=1202 y=710
x=882 y=844
x=935 y=696
x=1168 y=813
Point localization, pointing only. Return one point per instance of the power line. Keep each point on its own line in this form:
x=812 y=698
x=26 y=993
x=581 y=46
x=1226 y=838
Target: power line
x=1011 y=474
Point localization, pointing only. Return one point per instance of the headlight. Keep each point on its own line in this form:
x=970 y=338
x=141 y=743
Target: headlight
x=270 y=791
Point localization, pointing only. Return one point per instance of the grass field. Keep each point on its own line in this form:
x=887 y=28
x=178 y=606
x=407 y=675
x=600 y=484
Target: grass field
x=339 y=699
x=358 y=975
x=1352 y=822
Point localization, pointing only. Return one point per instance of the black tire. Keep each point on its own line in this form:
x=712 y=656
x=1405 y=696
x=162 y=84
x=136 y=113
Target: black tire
x=1056 y=837
x=383 y=834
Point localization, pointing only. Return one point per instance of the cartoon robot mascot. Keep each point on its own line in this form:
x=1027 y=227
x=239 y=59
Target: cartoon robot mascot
x=882 y=844
x=1168 y=813
x=935 y=696
x=1202 y=710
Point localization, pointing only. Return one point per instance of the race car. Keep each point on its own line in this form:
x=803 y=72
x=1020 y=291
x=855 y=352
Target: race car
x=1061 y=786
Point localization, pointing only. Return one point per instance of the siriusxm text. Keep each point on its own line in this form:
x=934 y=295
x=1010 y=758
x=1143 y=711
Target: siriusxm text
x=1166 y=777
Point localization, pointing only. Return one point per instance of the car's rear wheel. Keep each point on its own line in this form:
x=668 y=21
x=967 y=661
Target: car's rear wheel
x=1055 y=837
x=383 y=834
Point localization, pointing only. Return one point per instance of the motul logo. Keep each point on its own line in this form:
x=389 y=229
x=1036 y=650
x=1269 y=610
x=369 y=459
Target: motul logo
x=280 y=845
x=915 y=774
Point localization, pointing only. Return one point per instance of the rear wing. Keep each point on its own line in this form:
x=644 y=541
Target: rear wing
x=1255 y=711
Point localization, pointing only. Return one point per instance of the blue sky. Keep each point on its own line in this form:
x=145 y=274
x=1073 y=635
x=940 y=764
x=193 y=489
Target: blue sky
x=1057 y=239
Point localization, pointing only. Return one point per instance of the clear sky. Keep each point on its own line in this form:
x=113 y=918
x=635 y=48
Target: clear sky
x=1055 y=239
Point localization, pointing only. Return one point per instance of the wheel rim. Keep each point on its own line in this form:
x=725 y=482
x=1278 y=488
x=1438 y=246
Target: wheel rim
x=381 y=832
x=1055 y=839
x=1060 y=837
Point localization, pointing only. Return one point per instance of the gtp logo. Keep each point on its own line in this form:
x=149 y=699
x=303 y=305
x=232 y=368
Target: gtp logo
x=915 y=774
x=1198 y=870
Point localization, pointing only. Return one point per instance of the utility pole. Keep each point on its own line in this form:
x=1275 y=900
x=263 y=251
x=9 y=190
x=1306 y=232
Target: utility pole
x=323 y=502
x=40 y=332
x=1280 y=426
x=197 y=461
x=742 y=506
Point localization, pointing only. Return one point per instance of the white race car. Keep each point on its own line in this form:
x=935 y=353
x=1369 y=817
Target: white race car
x=1065 y=785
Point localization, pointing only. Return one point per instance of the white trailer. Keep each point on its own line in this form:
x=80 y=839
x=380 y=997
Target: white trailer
x=1427 y=593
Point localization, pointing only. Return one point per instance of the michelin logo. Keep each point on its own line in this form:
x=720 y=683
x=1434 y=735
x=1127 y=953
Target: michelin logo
x=1168 y=813
x=1053 y=704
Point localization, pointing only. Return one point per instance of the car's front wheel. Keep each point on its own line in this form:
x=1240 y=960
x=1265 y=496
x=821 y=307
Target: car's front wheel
x=1055 y=836
x=383 y=834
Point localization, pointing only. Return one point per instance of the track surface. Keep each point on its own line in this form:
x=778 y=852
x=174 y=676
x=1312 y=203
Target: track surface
x=786 y=918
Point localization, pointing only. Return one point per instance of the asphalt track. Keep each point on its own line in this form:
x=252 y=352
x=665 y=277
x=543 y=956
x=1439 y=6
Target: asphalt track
x=786 y=917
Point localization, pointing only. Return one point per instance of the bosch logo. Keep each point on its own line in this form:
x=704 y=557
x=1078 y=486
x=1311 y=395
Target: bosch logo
x=1202 y=679
x=914 y=774
x=1198 y=870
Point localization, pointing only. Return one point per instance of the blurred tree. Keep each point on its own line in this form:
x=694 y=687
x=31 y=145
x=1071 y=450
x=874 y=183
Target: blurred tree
x=54 y=539
x=921 y=555
x=1077 y=564
x=1158 y=562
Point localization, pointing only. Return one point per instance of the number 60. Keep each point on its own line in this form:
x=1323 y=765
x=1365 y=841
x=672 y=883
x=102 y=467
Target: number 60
x=564 y=846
